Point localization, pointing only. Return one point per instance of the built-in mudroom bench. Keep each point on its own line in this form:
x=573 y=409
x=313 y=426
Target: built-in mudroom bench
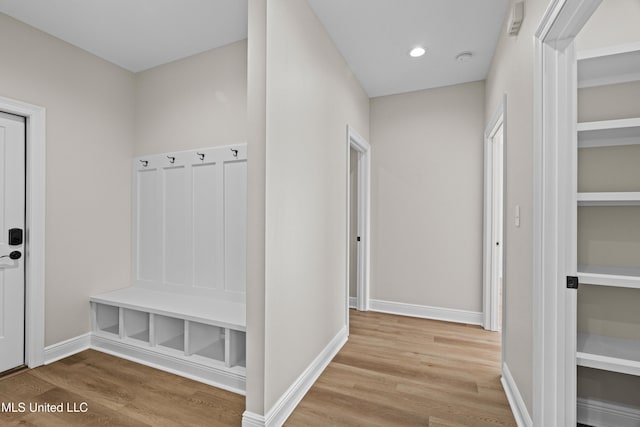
x=185 y=310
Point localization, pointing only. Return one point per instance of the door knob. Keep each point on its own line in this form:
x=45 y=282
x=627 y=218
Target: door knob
x=13 y=255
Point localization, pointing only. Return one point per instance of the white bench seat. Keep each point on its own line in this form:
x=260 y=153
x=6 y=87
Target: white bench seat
x=199 y=337
x=199 y=309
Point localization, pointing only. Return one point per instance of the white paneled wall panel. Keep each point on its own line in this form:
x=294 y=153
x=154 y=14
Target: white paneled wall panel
x=190 y=221
x=235 y=223
x=175 y=206
x=208 y=240
x=148 y=226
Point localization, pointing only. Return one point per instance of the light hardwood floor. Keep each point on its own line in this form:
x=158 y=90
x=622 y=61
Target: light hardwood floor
x=394 y=371
x=401 y=371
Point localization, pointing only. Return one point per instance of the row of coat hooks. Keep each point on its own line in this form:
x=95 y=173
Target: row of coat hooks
x=172 y=159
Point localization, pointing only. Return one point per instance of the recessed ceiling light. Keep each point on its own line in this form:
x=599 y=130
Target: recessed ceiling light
x=417 y=52
x=464 y=57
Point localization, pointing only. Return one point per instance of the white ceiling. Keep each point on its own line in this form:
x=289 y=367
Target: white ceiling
x=136 y=34
x=374 y=36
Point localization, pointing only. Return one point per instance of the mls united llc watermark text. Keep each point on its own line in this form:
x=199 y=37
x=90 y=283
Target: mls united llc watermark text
x=22 y=407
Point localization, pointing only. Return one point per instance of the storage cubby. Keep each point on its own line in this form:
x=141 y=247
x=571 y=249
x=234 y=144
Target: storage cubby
x=237 y=348
x=207 y=341
x=107 y=319
x=136 y=325
x=169 y=332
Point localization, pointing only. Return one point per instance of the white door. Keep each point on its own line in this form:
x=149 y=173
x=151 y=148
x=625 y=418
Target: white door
x=12 y=213
x=497 y=227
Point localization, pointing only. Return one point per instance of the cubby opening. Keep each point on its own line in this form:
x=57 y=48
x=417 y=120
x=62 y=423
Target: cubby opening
x=108 y=319
x=136 y=325
x=169 y=332
x=206 y=341
x=237 y=349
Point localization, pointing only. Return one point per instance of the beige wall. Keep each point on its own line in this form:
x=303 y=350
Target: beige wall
x=614 y=22
x=90 y=119
x=511 y=73
x=199 y=101
x=427 y=190
x=311 y=97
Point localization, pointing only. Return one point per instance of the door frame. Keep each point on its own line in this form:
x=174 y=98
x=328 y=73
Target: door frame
x=34 y=226
x=554 y=201
x=362 y=147
x=490 y=290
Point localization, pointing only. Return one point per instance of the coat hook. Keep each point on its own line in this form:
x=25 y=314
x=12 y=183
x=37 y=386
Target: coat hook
x=201 y=155
x=235 y=152
x=144 y=162
x=171 y=159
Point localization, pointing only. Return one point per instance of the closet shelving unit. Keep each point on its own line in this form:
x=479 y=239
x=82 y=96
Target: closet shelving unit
x=601 y=68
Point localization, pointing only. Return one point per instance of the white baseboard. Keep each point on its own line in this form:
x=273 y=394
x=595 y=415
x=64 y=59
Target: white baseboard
x=597 y=413
x=67 y=348
x=519 y=409
x=283 y=408
x=220 y=378
x=353 y=302
x=427 y=312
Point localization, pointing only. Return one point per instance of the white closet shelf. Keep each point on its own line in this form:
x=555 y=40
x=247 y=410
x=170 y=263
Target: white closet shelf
x=628 y=198
x=609 y=65
x=609 y=276
x=608 y=353
x=608 y=133
x=211 y=311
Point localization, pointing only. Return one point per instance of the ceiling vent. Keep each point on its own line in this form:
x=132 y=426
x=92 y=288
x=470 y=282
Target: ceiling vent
x=515 y=22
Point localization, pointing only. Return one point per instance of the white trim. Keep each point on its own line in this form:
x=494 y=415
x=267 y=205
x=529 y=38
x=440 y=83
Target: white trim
x=490 y=307
x=554 y=203
x=283 y=408
x=519 y=409
x=34 y=227
x=427 y=312
x=353 y=302
x=358 y=143
x=221 y=378
x=251 y=419
x=597 y=413
x=66 y=348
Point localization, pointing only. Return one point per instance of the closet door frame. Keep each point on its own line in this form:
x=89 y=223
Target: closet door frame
x=554 y=211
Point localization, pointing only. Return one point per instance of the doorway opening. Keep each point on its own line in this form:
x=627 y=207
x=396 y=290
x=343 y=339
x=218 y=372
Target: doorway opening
x=34 y=226
x=358 y=217
x=494 y=291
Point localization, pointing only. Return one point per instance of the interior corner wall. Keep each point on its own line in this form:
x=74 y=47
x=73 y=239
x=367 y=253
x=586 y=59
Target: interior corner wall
x=89 y=135
x=311 y=98
x=427 y=197
x=511 y=73
x=196 y=102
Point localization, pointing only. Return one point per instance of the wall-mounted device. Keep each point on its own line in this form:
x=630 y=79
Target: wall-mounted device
x=517 y=16
x=15 y=237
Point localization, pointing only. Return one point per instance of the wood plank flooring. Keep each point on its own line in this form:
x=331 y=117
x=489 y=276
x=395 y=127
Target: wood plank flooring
x=394 y=371
x=118 y=393
x=401 y=371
